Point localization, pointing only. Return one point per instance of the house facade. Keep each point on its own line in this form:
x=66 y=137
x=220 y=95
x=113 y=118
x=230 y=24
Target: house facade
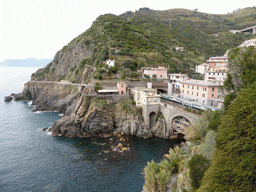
x=121 y=86
x=202 y=69
x=145 y=96
x=110 y=62
x=175 y=79
x=218 y=64
x=199 y=91
x=158 y=73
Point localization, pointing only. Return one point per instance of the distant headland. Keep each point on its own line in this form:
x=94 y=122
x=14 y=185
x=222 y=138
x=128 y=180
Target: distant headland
x=30 y=62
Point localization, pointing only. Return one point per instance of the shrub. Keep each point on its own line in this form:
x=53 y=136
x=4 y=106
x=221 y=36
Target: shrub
x=197 y=165
x=158 y=175
x=159 y=114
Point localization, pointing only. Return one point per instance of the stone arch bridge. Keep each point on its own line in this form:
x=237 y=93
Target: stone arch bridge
x=175 y=117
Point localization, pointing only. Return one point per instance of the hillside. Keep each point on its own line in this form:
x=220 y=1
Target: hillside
x=148 y=38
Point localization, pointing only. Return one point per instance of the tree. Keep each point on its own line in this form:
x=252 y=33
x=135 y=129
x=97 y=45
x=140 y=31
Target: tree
x=242 y=67
x=233 y=165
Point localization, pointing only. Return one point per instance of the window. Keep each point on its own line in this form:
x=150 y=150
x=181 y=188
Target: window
x=212 y=95
x=122 y=85
x=203 y=95
x=122 y=92
x=192 y=93
x=192 y=87
x=182 y=91
x=187 y=92
x=197 y=87
x=188 y=86
x=183 y=85
x=213 y=89
x=196 y=94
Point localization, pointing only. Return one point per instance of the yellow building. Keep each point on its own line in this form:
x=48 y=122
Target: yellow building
x=145 y=96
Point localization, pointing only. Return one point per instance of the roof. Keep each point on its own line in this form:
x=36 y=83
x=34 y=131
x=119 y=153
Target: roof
x=177 y=74
x=200 y=82
x=108 y=91
x=144 y=89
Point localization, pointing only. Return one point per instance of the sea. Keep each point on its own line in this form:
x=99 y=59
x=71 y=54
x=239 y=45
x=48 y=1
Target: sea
x=34 y=160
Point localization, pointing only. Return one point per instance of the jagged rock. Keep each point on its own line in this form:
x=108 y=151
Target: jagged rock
x=8 y=98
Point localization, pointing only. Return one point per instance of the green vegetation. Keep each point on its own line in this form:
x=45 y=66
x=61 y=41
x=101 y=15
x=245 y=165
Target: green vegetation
x=157 y=175
x=147 y=38
x=233 y=164
x=197 y=165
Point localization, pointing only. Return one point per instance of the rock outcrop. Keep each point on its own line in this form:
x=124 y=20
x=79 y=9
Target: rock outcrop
x=92 y=118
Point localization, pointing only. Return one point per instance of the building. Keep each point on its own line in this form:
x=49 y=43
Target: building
x=120 y=89
x=179 y=49
x=110 y=62
x=218 y=77
x=121 y=86
x=158 y=73
x=203 y=68
x=175 y=79
x=218 y=64
x=248 y=43
x=145 y=96
x=199 y=91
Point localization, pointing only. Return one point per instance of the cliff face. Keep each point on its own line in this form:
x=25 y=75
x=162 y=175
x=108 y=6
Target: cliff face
x=84 y=116
x=93 y=117
x=50 y=96
x=64 y=63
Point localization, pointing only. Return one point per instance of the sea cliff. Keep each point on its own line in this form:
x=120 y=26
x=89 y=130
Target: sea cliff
x=85 y=115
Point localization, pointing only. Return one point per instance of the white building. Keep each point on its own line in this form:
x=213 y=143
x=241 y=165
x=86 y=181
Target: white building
x=203 y=68
x=111 y=62
x=218 y=77
x=247 y=43
x=175 y=79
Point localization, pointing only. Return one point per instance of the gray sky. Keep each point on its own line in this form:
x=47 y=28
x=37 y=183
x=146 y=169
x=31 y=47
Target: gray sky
x=40 y=28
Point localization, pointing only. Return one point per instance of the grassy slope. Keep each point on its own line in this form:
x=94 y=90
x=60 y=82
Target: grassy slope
x=146 y=38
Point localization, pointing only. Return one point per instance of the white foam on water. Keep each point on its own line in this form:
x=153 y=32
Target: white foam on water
x=39 y=111
x=49 y=133
x=30 y=103
x=61 y=114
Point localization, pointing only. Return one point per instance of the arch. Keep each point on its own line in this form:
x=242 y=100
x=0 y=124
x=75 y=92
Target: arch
x=178 y=125
x=162 y=91
x=152 y=119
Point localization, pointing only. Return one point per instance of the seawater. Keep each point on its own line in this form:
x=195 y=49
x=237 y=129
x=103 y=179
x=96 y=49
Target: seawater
x=32 y=160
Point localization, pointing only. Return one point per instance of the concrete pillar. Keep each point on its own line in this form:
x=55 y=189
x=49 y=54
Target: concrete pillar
x=149 y=85
x=169 y=88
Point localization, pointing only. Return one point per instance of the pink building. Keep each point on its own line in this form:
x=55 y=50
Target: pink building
x=158 y=73
x=121 y=86
x=199 y=90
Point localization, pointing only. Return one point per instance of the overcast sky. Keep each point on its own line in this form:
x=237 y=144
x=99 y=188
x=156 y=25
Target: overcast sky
x=39 y=28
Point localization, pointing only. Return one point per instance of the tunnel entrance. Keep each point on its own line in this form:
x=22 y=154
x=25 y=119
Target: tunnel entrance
x=152 y=119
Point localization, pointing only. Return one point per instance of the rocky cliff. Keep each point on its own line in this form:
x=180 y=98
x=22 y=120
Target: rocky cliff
x=84 y=115
x=93 y=117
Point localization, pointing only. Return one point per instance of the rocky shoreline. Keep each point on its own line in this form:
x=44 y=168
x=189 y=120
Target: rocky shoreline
x=83 y=115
